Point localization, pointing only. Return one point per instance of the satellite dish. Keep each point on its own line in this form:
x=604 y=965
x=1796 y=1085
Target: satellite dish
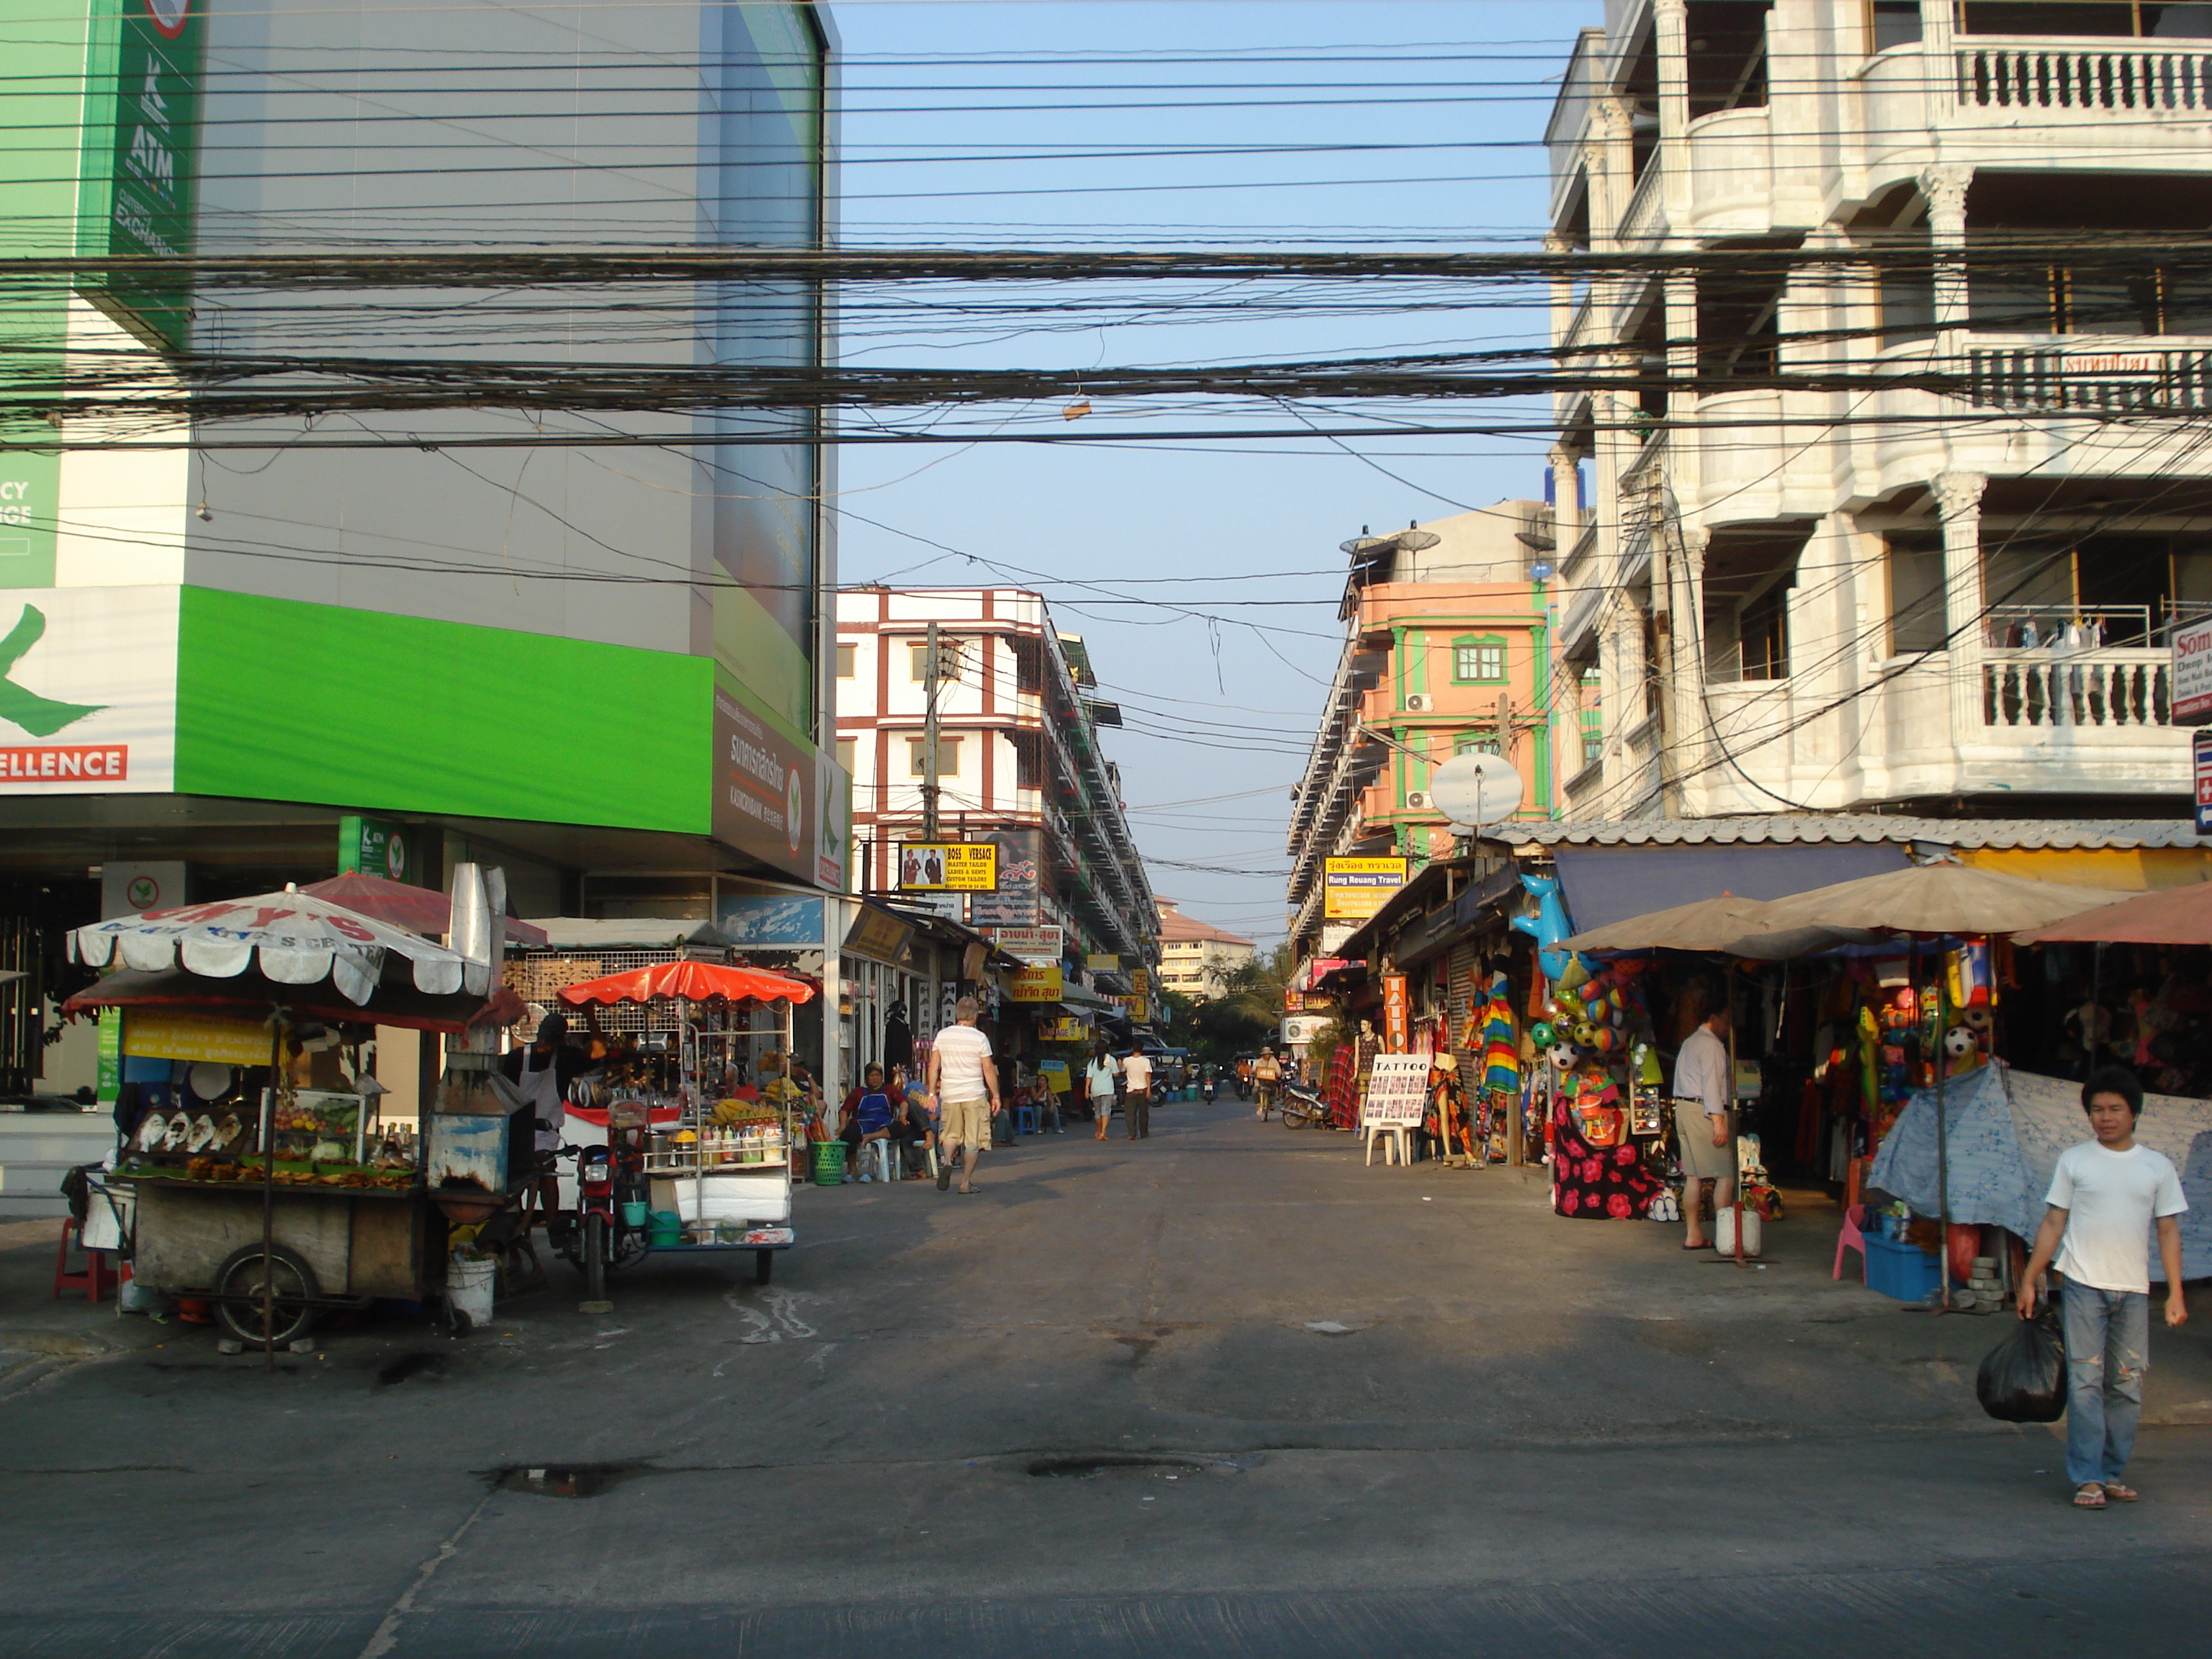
x=1472 y=790
x=1402 y=541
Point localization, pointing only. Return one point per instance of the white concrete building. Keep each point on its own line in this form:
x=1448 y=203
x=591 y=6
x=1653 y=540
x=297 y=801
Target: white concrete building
x=1949 y=582
x=1018 y=760
x=1196 y=957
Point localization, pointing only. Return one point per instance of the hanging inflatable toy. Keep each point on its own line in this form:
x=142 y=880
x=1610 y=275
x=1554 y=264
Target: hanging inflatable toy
x=1548 y=926
x=1541 y=1036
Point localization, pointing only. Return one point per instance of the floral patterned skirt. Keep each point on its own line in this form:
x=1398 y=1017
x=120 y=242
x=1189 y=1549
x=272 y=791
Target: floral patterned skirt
x=1594 y=1183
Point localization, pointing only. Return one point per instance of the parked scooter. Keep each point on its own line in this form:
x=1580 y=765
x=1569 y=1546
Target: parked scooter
x=1209 y=1088
x=1299 y=1107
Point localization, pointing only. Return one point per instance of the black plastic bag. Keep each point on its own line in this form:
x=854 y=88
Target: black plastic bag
x=2023 y=1378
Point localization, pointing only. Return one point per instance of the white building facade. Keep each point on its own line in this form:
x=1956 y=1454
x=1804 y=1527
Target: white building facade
x=1948 y=577
x=1018 y=761
x=1196 y=957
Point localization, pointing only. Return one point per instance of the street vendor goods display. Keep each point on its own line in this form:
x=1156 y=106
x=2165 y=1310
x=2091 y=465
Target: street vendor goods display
x=703 y=1169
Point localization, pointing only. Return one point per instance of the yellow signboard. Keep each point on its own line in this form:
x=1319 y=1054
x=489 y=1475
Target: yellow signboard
x=948 y=866
x=1036 y=983
x=159 y=1034
x=1068 y=1028
x=1140 y=982
x=1139 y=1009
x=1355 y=889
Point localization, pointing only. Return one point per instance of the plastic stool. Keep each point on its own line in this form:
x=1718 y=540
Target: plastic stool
x=1851 y=1238
x=1025 y=1120
x=877 y=1161
x=1393 y=1142
x=95 y=1278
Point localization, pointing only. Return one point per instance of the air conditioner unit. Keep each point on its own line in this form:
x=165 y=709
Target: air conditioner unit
x=1418 y=799
x=1419 y=702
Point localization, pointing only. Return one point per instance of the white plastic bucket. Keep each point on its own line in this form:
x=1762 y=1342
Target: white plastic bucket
x=468 y=1289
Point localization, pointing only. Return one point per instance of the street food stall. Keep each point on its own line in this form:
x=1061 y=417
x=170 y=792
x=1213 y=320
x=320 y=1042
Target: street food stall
x=710 y=1166
x=263 y=1181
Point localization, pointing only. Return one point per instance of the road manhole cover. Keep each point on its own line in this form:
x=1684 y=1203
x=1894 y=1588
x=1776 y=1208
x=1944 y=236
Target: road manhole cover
x=1089 y=1466
x=565 y=1480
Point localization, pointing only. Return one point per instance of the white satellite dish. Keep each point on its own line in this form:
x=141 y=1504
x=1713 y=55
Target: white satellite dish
x=1475 y=790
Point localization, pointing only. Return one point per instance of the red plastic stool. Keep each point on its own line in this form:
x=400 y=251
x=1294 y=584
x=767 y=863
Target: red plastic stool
x=95 y=1278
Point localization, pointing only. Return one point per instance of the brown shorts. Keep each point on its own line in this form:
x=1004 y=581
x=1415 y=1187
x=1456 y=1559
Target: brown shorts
x=964 y=1123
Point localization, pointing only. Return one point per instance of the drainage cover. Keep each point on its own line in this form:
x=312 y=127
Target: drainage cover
x=1088 y=1466
x=564 y=1479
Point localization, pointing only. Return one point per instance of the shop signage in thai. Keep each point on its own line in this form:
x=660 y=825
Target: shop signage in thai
x=163 y=1033
x=1397 y=1091
x=1140 y=980
x=778 y=799
x=1031 y=944
x=1140 y=1008
x=373 y=848
x=1354 y=889
x=1397 y=1014
x=1016 y=897
x=87 y=689
x=1102 y=963
x=1069 y=1028
x=1038 y=983
x=947 y=867
x=877 y=933
x=2193 y=674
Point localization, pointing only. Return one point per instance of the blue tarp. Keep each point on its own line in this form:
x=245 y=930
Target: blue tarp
x=2006 y=1130
x=1606 y=885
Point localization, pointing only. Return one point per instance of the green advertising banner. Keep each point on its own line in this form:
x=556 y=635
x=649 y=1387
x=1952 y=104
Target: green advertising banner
x=141 y=166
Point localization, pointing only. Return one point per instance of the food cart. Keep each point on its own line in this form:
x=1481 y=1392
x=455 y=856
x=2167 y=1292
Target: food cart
x=706 y=1170
x=275 y=1202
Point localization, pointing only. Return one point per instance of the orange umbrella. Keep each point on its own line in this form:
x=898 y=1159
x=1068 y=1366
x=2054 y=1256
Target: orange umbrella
x=2165 y=916
x=691 y=981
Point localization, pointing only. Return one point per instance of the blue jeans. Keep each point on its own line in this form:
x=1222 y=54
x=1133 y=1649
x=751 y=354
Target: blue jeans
x=2107 y=1351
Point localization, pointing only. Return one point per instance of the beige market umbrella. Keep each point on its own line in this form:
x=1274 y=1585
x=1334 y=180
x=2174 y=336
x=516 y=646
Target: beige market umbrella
x=1937 y=899
x=1732 y=925
x=2165 y=916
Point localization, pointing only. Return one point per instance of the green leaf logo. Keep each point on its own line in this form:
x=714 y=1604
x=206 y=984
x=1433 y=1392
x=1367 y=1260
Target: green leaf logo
x=40 y=716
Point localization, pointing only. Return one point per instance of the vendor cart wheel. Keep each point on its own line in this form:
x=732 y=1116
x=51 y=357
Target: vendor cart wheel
x=292 y=1283
x=595 y=1257
x=763 y=1266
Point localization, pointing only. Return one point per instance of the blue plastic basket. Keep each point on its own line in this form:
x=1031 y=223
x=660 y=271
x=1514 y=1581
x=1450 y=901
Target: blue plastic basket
x=1897 y=1269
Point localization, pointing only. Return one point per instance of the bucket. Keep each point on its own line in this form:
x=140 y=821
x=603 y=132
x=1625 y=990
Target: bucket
x=665 y=1229
x=468 y=1288
x=634 y=1214
x=829 y=1162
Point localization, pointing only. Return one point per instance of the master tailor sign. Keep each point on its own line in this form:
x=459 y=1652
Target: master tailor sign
x=87 y=690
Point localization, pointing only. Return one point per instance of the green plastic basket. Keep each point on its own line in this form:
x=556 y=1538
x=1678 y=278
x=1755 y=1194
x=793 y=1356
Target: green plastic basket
x=829 y=1162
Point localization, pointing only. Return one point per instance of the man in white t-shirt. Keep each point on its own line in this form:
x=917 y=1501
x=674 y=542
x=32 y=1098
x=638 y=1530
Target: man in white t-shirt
x=2105 y=1196
x=1137 y=1095
x=965 y=1080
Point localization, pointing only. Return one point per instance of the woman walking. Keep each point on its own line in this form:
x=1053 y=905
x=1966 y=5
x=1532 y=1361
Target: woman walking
x=1098 y=1083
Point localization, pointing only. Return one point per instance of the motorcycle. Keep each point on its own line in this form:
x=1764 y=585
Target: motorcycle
x=599 y=1239
x=1207 y=1089
x=1300 y=1108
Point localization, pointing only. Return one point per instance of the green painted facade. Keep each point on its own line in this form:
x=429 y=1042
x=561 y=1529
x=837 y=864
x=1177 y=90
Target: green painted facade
x=282 y=700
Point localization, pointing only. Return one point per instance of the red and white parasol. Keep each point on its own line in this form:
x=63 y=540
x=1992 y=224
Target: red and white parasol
x=293 y=938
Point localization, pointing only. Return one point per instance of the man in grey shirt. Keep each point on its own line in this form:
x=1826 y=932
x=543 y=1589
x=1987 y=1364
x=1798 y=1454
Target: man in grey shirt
x=1708 y=1150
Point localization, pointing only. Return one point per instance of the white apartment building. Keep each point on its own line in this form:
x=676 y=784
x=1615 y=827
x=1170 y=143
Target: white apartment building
x=1949 y=584
x=1018 y=760
x=1196 y=957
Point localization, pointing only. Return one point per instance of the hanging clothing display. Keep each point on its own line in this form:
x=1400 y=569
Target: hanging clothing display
x=898 y=1038
x=1590 y=1181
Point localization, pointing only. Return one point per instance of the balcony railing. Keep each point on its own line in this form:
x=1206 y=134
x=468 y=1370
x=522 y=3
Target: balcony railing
x=2087 y=691
x=1646 y=218
x=2115 y=377
x=2046 y=75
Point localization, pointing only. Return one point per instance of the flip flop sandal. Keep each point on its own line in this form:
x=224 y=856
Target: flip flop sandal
x=970 y=1192
x=2090 y=1497
x=943 y=1176
x=1707 y=1246
x=2120 y=1494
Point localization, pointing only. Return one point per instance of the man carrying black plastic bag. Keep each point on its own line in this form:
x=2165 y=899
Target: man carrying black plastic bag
x=2105 y=1196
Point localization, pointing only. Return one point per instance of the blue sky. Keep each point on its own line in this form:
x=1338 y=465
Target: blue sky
x=1221 y=703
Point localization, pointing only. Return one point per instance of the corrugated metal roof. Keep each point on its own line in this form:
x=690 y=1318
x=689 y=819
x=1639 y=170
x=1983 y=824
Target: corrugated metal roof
x=2123 y=834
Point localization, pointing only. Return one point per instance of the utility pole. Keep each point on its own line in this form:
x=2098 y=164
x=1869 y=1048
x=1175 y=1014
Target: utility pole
x=929 y=737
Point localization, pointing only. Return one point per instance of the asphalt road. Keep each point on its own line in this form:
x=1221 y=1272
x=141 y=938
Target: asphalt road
x=1221 y=1392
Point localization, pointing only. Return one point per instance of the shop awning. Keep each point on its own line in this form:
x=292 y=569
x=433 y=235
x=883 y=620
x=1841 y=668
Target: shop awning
x=1606 y=885
x=1081 y=998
